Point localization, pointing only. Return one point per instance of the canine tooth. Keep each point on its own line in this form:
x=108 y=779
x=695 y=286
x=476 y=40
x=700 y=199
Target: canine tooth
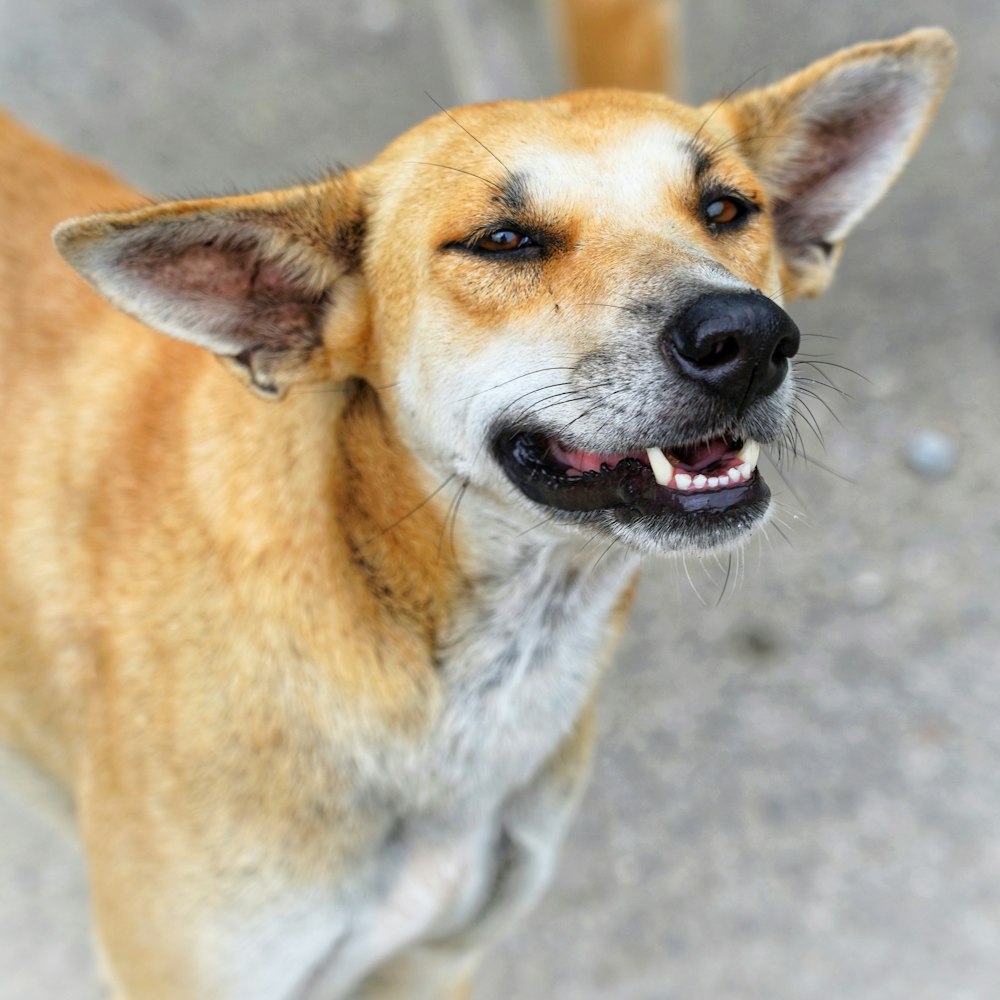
x=749 y=454
x=746 y=470
x=713 y=481
x=663 y=471
x=699 y=481
x=682 y=481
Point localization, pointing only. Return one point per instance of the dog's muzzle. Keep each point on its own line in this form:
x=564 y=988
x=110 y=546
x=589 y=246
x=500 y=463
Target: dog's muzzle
x=689 y=479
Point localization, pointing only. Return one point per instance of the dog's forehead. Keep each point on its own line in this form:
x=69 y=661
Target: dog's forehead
x=624 y=170
x=595 y=152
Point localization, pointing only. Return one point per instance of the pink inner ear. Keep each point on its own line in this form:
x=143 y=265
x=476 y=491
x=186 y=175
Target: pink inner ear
x=852 y=142
x=203 y=270
x=237 y=292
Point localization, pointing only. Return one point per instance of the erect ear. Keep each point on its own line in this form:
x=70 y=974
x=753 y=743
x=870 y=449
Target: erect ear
x=829 y=141
x=251 y=278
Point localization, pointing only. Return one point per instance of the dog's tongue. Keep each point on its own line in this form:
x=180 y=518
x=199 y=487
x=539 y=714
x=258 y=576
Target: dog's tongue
x=700 y=456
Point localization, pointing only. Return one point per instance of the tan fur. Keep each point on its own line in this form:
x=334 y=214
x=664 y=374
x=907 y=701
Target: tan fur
x=228 y=626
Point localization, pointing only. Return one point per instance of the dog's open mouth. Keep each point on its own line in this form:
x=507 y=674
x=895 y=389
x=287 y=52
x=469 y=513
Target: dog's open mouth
x=713 y=477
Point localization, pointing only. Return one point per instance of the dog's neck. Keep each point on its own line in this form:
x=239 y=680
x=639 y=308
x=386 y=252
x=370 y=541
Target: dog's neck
x=438 y=552
x=517 y=624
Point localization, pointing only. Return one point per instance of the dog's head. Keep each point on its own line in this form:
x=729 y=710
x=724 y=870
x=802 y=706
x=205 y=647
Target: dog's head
x=576 y=302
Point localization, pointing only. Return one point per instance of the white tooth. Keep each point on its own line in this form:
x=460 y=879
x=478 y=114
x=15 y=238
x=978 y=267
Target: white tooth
x=682 y=481
x=746 y=470
x=663 y=471
x=734 y=475
x=749 y=454
x=699 y=481
x=713 y=482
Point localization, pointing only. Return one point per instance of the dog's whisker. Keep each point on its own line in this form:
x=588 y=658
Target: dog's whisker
x=744 y=138
x=600 y=305
x=687 y=573
x=781 y=531
x=833 y=364
x=788 y=517
x=729 y=95
x=820 y=383
x=580 y=416
x=612 y=544
x=448 y=527
x=542 y=388
x=457 y=170
x=777 y=468
x=779 y=293
x=395 y=524
x=568 y=398
x=810 y=460
x=801 y=409
x=820 y=375
x=801 y=390
x=537 y=524
x=452 y=118
x=516 y=378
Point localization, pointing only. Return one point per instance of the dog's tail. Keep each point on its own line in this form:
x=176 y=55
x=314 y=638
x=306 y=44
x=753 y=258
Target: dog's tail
x=622 y=43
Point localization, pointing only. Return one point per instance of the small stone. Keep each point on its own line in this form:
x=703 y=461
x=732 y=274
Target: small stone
x=931 y=454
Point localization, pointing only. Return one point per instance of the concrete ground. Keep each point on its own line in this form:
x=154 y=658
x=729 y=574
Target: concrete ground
x=797 y=795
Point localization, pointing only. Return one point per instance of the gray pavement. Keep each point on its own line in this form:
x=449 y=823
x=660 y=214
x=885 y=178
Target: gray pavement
x=797 y=794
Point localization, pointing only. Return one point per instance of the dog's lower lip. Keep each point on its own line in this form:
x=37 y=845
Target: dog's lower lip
x=628 y=487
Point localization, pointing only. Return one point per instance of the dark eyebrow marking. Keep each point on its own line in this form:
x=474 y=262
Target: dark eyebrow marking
x=513 y=193
x=702 y=158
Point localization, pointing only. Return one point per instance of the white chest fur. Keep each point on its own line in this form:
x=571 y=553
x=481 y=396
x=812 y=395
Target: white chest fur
x=518 y=667
x=514 y=671
x=478 y=832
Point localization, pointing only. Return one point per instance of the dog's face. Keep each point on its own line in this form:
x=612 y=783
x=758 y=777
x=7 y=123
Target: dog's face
x=587 y=288
x=576 y=302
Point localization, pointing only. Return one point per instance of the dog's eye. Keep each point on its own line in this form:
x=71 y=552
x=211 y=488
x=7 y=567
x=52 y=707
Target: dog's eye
x=503 y=241
x=725 y=211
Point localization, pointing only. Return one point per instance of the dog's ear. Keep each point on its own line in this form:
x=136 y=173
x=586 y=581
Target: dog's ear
x=829 y=141
x=251 y=278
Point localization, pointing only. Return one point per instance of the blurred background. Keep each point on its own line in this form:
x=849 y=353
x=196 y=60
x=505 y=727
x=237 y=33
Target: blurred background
x=797 y=791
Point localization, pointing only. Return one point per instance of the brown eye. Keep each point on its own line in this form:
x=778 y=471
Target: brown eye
x=503 y=241
x=724 y=211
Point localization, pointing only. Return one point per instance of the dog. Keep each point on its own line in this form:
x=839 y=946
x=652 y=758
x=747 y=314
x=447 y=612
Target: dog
x=314 y=648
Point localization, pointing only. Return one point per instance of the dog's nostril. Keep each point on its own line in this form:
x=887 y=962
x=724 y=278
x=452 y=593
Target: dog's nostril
x=787 y=348
x=724 y=349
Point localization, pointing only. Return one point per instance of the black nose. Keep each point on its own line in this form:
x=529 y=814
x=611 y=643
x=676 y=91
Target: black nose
x=736 y=343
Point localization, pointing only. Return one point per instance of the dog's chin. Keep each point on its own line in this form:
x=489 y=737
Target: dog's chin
x=697 y=496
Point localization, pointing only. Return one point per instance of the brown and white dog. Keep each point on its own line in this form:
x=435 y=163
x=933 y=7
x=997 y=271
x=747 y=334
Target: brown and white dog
x=314 y=649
